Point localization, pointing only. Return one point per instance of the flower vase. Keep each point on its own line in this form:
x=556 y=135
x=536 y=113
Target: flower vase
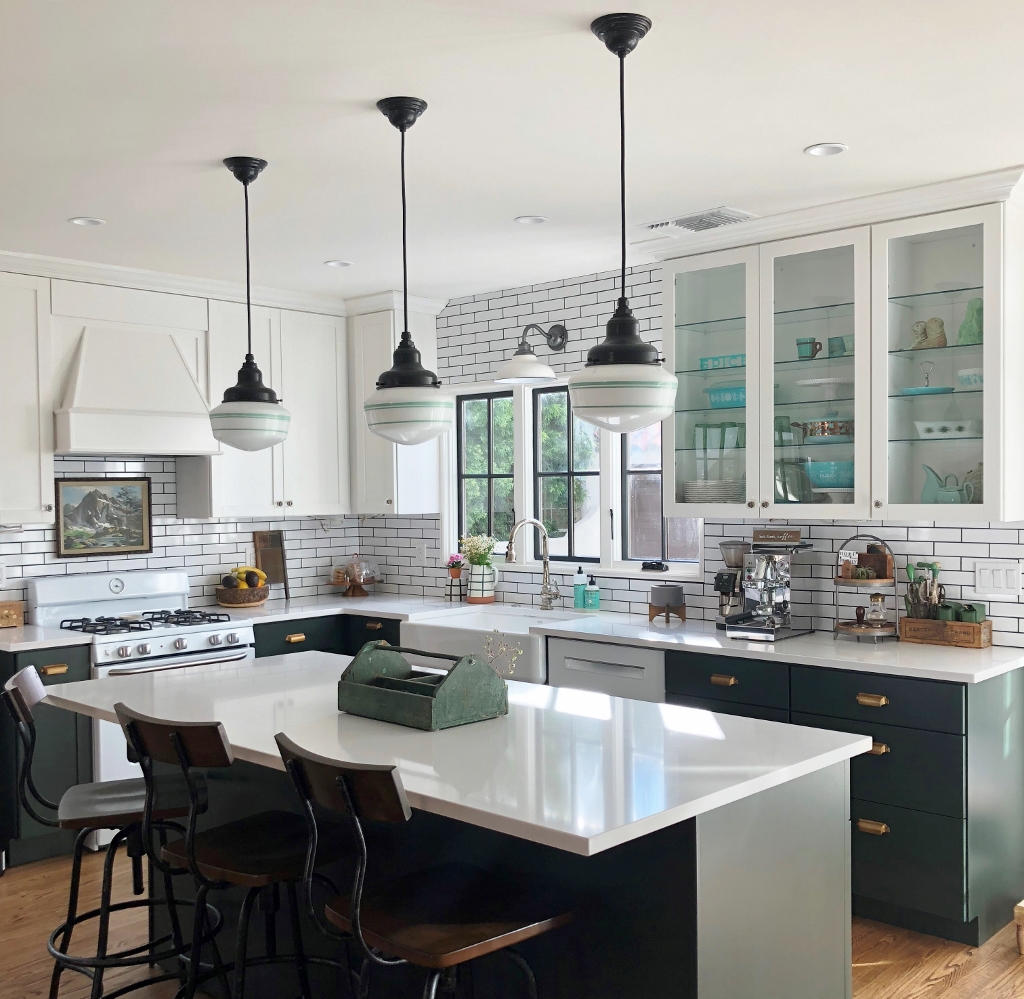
x=481 y=584
x=455 y=571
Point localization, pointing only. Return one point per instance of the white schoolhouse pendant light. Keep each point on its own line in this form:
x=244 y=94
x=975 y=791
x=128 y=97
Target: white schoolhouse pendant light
x=408 y=406
x=623 y=386
x=250 y=418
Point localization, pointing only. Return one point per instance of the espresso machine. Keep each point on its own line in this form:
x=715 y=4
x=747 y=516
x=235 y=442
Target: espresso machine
x=766 y=614
x=729 y=583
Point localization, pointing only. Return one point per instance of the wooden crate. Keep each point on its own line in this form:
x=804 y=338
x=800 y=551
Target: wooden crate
x=962 y=634
x=12 y=614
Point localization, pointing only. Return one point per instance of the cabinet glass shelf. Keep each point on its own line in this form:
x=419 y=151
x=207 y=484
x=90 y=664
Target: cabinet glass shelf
x=730 y=324
x=930 y=353
x=954 y=296
x=933 y=440
x=938 y=395
x=716 y=372
x=789 y=405
x=816 y=363
x=838 y=310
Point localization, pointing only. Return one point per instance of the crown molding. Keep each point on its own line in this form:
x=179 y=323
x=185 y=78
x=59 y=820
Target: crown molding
x=176 y=284
x=391 y=301
x=964 y=192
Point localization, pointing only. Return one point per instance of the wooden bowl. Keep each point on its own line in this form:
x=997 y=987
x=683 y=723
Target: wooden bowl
x=252 y=597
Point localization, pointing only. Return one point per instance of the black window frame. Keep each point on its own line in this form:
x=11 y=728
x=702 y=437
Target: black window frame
x=490 y=475
x=569 y=473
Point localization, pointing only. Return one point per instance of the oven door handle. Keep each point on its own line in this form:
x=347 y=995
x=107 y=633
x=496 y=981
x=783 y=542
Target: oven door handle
x=178 y=664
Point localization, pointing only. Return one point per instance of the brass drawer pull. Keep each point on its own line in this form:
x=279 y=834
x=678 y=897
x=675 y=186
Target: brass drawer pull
x=373 y=626
x=872 y=700
x=54 y=669
x=879 y=749
x=296 y=638
x=871 y=827
x=723 y=680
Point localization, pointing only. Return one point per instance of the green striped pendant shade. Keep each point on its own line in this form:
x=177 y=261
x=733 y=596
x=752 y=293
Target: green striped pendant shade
x=622 y=397
x=409 y=414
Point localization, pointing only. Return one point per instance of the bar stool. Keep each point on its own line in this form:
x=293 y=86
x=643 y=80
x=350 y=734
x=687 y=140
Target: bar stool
x=438 y=919
x=118 y=805
x=258 y=852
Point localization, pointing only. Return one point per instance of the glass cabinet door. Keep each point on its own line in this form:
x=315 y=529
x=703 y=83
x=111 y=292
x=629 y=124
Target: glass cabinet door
x=815 y=369
x=710 y=445
x=932 y=321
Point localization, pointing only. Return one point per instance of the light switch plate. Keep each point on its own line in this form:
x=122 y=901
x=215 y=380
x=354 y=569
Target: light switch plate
x=997 y=580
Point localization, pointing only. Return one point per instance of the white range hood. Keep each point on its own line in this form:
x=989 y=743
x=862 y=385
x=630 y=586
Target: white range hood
x=123 y=400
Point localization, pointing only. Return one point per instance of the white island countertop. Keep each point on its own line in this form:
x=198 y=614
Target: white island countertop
x=570 y=769
x=923 y=662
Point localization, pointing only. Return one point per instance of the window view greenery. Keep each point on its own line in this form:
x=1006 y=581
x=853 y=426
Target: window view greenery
x=647 y=533
x=485 y=447
x=566 y=460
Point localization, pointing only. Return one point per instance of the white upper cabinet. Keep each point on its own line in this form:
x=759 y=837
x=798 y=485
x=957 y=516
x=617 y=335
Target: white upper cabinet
x=26 y=401
x=388 y=478
x=947 y=367
x=815 y=376
x=314 y=389
x=302 y=357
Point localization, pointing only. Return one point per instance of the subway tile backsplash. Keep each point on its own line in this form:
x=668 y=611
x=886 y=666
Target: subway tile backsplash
x=475 y=334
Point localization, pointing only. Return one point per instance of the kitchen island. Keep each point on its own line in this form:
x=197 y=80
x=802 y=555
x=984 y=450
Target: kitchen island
x=708 y=855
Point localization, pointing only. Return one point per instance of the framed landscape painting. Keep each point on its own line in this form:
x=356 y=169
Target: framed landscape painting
x=103 y=517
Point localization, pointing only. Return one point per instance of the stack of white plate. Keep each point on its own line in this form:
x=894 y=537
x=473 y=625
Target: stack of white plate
x=714 y=491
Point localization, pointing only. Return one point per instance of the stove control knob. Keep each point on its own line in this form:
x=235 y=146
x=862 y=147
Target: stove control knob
x=232 y=639
x=124 y=651
x=144 y=649
x=215 y=639
x=181 y=643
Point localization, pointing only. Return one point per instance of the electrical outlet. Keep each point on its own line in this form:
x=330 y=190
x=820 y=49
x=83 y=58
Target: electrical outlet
x=997 y=580
x=3 y=576
x=250 y=555
x=421 y=552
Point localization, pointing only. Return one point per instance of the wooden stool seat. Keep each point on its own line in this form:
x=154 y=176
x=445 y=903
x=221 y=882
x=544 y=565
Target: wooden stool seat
x=449 y=914
x=257 y=851
x=119 y=803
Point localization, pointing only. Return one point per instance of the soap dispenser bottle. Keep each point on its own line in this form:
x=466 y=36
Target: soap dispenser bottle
x=592 y=595
x=579 y=585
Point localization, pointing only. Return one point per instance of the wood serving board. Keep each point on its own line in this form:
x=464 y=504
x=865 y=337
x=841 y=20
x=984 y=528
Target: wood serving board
x=962 y=634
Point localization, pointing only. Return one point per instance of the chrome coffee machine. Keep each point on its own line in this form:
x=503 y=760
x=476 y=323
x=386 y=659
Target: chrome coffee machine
x=766 y=614
x=729 y=583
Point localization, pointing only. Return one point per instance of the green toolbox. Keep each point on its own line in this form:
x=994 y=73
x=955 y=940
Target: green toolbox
x=379 y=683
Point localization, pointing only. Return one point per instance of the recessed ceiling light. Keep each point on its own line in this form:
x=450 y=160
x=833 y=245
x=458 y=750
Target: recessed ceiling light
x=338 y=263
x=531 y=219
x=826 y=149
x=87 y=220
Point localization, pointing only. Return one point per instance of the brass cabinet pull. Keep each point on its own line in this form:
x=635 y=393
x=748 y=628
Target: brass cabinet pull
x=296 y=638
x=723 y=680
x=871 y=827
x=872 y=700
x=373 y=626
x=54 y=669
x=879 y=749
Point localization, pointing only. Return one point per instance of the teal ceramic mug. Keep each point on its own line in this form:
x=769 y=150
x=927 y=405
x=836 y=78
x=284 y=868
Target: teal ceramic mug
x=840 y=346
x=807 y=347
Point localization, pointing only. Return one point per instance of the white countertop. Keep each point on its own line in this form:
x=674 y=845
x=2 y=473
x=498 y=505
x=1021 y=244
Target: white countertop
x=928 y=662
x=570 y=769
x=29 y=637
x=391 y=605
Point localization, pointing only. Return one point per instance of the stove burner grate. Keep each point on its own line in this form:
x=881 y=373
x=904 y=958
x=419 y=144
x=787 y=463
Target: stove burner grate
x=105 y=625
x=182 y=618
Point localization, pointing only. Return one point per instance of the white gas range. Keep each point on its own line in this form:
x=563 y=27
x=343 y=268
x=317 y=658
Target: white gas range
x=138 y=622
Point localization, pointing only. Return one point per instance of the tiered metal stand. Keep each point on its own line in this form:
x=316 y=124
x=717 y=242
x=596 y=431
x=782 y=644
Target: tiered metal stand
x=854 y=629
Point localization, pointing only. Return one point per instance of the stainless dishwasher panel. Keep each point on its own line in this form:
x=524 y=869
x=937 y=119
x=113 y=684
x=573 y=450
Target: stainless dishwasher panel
x=619 y=670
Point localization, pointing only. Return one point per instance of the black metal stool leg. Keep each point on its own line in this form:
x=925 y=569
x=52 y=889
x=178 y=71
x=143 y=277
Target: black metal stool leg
x=300 y=954
x=242 y=945
x=430 y=989
x=520 y=961
x=104 y=927
x=65 y=940
x=218 y=961
x=364 y=979
x=270 y=908
x=195 y=954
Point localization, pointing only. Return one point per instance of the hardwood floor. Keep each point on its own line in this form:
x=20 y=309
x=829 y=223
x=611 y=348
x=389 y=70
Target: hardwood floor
x=888 y=963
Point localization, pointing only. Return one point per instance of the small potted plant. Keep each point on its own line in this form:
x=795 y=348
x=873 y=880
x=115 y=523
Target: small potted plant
x=456 y=563
x=478 y=548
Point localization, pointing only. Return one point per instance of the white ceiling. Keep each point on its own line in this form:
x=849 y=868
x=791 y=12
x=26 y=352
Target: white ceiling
x=124 y=108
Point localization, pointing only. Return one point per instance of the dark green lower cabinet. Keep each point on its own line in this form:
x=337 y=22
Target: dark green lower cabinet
x=910 y=859
x=63 y=754
x=729 y=708
x=322 y=634
x=362 y=629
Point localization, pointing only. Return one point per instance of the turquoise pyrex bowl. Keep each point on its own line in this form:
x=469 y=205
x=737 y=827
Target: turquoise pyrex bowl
x=830 y=474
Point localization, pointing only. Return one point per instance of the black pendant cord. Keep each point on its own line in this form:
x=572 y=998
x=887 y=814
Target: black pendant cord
x=622 y=162
x=405 y=249
x=248 y=289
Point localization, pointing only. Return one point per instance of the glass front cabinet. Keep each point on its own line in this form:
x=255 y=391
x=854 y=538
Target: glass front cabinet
x=857 y=374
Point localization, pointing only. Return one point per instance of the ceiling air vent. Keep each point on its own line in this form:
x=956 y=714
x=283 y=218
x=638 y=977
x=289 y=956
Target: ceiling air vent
x=713 y=218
